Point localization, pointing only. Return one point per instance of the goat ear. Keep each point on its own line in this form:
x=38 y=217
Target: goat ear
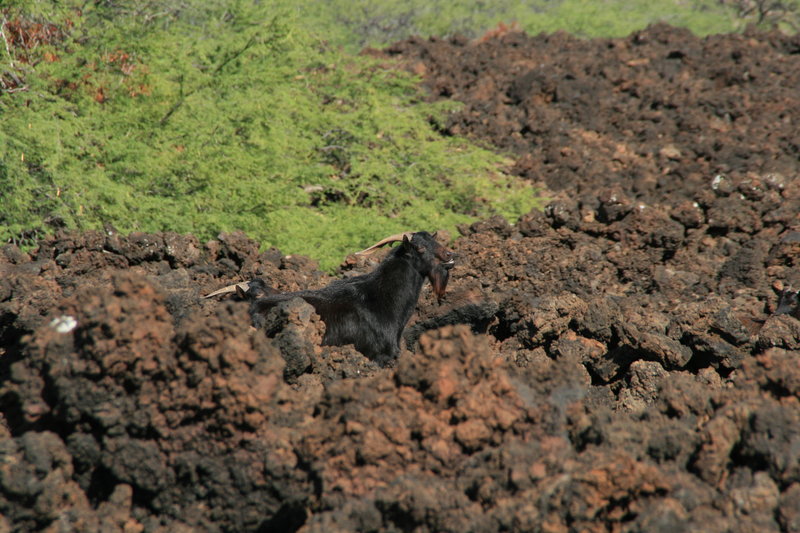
x=411 y=246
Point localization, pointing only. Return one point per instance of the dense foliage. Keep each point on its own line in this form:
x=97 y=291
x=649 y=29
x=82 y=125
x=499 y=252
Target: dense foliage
x=222 y=117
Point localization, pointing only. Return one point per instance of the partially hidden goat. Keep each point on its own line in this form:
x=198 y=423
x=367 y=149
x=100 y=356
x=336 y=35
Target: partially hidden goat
x=369 y=311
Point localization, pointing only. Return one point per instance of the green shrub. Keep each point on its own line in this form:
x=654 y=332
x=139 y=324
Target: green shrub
x=224 y=116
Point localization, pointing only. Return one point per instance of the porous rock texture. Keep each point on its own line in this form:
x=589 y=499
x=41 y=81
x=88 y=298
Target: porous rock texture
x=614 y=363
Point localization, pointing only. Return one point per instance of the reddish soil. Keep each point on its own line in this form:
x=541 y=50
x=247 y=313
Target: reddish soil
x=615 y=363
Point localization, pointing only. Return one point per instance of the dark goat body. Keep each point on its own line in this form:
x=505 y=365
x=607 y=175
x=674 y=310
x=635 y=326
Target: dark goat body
x=370 y=311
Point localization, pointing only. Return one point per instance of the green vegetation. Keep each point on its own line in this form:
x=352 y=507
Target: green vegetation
x=210 y=116
x=225 y=117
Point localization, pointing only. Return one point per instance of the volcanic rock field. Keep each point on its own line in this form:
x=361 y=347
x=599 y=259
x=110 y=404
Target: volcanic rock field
x=627 y=359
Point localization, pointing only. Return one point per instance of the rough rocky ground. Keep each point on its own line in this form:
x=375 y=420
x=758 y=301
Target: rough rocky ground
x=615 y=363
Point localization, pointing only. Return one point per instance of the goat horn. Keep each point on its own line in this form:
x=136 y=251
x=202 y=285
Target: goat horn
x=387 y=240
x=230 y=288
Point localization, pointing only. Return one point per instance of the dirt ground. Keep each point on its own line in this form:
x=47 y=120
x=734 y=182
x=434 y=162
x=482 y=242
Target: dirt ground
x=618 y=362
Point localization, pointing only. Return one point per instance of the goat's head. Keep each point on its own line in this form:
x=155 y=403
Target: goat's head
x=430 y=258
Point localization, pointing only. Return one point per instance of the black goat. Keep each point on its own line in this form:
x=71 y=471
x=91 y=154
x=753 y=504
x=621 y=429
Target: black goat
x=368 y=311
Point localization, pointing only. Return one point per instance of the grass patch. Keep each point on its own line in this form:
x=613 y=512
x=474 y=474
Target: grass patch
x=358 y=23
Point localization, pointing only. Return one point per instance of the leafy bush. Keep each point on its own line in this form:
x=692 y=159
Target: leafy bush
x=220 y=116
